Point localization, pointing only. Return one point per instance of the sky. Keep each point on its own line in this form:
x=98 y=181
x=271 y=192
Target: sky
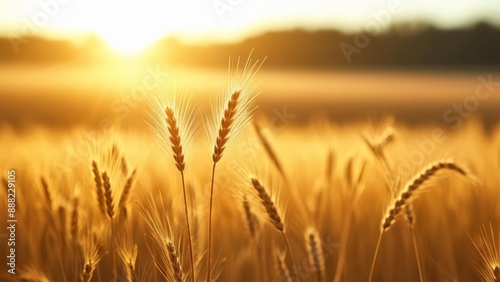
x=132 y=25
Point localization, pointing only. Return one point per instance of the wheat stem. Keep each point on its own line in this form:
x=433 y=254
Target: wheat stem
x=210 y=224
x=291 y=253
x=343 y=246
x=379 y=241
x=113 y=244
x=417 y=257
x=188 y=228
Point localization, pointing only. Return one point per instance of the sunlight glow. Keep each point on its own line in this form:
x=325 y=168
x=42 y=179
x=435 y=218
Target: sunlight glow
x=130 y=26
x=127 y=43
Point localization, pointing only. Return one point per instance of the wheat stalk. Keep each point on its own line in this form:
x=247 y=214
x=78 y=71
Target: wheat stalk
x=406 y=195
x=173 y=118
x=176 y=145
x=229 y=120
x=410 y=219
x=355 y=182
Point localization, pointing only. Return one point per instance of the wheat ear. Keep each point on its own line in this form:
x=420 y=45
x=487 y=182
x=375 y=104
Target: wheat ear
x=489 y=248
x=271 y=210
x=174 y=261
x=46 y=192
x=413 y=186
x=269 y=150
x=91 y=253
x=281 y=268
x=315 y=252
x=226 y=125
x=108 y=195
x=273 y=215
x=75 y=225
x=175 y=139
x=98 y=186
x=124 y=166
x=63 y=221
x=126 y=190
x=128 y=255
x=250 y=218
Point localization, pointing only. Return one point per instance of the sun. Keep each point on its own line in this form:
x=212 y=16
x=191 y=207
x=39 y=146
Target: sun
x=131 y=28
x=129 y=43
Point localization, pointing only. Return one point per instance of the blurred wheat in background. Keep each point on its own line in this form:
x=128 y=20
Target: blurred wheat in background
x=122 y=213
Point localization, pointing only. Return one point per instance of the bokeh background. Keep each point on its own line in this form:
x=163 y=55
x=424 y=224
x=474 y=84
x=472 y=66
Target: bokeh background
x=66 y=63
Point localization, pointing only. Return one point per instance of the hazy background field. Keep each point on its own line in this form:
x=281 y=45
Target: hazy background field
x=62 y=96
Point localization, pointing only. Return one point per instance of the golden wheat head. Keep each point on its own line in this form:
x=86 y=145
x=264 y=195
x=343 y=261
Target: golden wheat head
x=281 y=268
x=315 y=253
x=488 y=247
x=411 y=188
x=271 y=209
x=91 y=249
x=172 y=120
x=233 y=110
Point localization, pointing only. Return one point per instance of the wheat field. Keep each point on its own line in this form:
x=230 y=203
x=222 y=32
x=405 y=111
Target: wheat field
x=230 y=195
